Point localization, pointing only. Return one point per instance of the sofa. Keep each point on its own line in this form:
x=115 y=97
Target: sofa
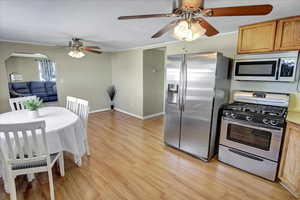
x=45 y=90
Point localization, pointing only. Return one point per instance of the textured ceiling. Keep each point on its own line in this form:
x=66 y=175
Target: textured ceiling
x=54 y=22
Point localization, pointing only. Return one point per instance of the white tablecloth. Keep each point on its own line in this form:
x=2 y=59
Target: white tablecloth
x=64 y=129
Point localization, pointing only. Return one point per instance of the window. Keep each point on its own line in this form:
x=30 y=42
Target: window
x=47 y=70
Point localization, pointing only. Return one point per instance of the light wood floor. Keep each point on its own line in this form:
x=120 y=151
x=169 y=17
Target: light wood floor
x=130 y=161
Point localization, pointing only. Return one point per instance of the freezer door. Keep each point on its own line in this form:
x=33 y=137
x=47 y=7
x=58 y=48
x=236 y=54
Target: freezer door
x=198 y=100
x=173 y=99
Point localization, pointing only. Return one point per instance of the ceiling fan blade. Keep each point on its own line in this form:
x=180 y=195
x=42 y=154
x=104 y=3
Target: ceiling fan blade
x=166 y=28
x=210 y=30
x=90 y=47
x=239 y=11
x=93 y=49
x=146 y=16
x=191 y=4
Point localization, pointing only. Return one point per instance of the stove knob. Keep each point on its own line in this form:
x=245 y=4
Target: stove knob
x=266 y=121
x=233 y=115
x=274 y=122
x=249 y=118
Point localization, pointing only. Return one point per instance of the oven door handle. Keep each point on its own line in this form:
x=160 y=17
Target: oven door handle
x=245 y=155
x=279 y=131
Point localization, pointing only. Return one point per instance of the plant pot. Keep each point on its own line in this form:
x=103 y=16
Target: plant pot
x=33 y=114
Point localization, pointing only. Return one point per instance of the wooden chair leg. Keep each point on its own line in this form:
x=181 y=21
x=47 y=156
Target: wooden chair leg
x=61 y=164
x=51 y=186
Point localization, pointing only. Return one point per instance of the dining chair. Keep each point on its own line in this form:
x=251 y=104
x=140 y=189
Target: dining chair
x=71 y=104
x=83 y=112
x=26 y=152
x=18 y=103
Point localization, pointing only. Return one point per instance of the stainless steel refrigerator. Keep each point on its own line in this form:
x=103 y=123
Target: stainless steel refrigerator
x=196 y=87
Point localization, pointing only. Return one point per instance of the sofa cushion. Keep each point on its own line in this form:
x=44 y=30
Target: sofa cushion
x=51 y=88
x=44 y=90
x=50 y=98
x=20 y=87
x=38 y=88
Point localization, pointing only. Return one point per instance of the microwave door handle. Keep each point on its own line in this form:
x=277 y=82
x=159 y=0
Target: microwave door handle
x=278 y=69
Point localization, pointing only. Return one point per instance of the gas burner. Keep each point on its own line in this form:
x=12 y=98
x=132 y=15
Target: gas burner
x=271 y=113
x=265 y=115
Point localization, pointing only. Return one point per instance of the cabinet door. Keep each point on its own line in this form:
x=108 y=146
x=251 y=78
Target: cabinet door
x=289 y=172
x=288 y=34
x=257 y=37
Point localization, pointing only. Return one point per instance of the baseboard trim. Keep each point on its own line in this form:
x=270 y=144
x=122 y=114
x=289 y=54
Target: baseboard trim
x=128 y=113
x=288 y=189
x=154 y=115
x=100 y=110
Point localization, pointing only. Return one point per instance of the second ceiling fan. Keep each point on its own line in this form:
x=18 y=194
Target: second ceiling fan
x=191 y=25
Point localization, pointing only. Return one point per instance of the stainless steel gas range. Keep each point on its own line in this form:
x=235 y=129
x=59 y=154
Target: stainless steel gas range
x=252 y=132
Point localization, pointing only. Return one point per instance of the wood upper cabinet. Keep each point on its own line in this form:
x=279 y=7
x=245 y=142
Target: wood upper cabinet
x=277 y=35
x=289 y=172
x=257 y=37
x=288 y=34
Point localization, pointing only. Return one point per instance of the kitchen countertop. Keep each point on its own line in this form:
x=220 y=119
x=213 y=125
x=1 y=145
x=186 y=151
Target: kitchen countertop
x=293 y=117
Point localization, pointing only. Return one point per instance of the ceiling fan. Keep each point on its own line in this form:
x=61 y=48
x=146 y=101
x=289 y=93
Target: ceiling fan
x=77 y=48
x=191 y=25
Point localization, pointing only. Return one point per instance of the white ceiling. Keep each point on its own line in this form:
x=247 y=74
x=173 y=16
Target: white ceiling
x=54 y=22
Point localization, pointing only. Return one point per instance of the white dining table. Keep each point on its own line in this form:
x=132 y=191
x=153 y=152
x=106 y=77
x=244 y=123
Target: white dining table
x=64 y=129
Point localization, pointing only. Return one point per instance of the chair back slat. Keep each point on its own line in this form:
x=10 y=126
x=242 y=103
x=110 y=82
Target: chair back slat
x=83 y=110
x=37 y=150
x=18 y=103
x=44 y=141
x=25 y=142
x=71 y=104
x=79 y=107
x=18 y=146
x=11 y=150
x=28 y=148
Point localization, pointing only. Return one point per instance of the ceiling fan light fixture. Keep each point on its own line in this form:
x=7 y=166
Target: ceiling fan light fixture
x=76 y=54
x=184 y=31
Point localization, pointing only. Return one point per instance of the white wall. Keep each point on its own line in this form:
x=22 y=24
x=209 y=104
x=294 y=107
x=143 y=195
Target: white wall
x=27 y=67
x=225 y=44
x=87 y=78
x=127 y=76
x=153 y=84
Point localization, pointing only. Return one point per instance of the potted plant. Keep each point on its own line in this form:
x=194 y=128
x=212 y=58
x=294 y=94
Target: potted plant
x=111 y=91
x=33 y=105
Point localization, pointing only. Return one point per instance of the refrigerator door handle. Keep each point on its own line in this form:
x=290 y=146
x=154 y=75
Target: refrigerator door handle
x=179 y=99
x=184 y=84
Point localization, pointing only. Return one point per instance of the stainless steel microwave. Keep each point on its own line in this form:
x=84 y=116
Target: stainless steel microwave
x=267 y=67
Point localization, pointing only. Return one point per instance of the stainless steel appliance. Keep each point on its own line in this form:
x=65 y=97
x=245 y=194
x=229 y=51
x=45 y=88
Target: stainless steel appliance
x=252 y=132
x=196 y=87
x=267 y=67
